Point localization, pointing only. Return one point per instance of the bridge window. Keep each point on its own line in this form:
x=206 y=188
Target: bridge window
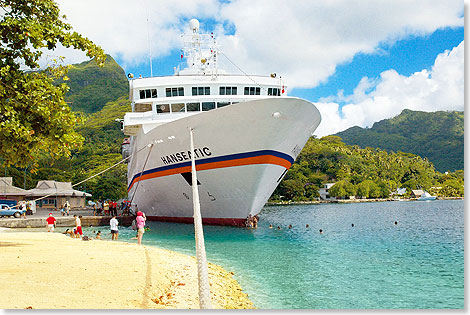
x=274 y=91
x=222 y=104
x=142 y=107
x=193 y=107
x=175 y=91
x=149 y=93
x=163 y=108
x=201 y=90
x=252 y=90
x=208 y=106
x=228 y=90
x=177 y=108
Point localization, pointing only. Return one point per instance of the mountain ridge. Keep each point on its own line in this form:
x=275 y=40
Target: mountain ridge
x=437 y=136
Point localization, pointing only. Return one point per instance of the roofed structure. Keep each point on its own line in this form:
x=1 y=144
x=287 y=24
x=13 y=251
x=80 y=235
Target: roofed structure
x=8 y=190
x=51 y=187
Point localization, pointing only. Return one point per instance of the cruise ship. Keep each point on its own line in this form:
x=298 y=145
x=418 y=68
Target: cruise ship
x=247 y=134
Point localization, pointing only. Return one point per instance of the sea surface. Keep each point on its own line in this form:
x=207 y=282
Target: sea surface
x=417 y=263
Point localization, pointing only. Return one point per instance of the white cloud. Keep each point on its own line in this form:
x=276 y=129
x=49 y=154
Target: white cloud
x=120 y=27
x=303 y=41
x=441 y=88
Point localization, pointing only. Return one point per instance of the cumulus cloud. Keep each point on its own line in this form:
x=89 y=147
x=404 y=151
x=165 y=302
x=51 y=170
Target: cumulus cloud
x=441 y=88
x=304 y=41
x=129 y=30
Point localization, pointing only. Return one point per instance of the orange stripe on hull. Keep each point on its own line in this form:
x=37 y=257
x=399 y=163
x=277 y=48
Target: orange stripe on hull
x=263 y=159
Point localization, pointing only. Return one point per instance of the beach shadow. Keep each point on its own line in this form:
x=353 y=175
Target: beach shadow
x=7 y=244
x=148 y=280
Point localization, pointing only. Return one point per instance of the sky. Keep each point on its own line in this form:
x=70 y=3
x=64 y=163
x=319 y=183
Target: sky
x=358 y=61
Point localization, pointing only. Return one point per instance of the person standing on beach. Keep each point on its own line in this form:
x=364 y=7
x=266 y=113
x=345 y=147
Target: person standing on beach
x=50 y=223
x=78 y=226
x=140 y=221
x=106 y=208
x=114 y=228
x=67 y=207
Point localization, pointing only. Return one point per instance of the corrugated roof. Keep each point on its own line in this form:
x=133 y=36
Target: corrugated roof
x=51 y=187
x=7 y=188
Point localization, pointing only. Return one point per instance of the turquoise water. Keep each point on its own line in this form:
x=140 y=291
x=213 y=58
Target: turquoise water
x=418 y=263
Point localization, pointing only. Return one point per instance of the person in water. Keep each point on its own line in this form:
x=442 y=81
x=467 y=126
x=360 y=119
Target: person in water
x=321 y=231
x=270 y=226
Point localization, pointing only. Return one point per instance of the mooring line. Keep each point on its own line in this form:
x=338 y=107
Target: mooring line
x=85 y=180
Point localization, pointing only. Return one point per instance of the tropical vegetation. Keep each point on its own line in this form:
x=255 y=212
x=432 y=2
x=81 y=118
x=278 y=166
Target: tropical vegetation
x=34 y=118
x=438 y=136
x=362 y=173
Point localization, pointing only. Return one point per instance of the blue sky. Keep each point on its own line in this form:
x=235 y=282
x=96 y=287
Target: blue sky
x=359 y=62
x=405 y=56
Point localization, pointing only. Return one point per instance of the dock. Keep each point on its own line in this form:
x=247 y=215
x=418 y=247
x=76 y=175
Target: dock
x=38 y=220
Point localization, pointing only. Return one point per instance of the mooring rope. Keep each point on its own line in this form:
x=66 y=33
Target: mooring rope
x=141 y=172
x=202 y=270
x=93 y=176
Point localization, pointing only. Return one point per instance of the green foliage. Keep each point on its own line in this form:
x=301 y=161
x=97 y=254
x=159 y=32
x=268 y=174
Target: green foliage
x=367 y=173
x=452 y=188
x=438 y=136
x=91 y=88
x=343 y=189
x=34 y=117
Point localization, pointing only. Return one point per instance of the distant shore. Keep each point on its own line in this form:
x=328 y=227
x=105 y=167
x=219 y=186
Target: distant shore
x=42 y=270
x=280 y=203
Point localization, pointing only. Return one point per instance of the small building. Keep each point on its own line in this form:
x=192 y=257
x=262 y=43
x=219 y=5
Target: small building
x=323 y=192
x=8 y=191
x=57 y=194
x=416 y=193
x=399 y=192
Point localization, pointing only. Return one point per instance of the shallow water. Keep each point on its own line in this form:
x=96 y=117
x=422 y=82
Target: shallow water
x=418 y=263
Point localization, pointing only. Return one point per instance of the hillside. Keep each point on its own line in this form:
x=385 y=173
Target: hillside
x=92 y=87
x=437 y=136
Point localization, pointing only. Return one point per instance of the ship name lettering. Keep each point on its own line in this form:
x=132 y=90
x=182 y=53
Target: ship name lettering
x=186 y=155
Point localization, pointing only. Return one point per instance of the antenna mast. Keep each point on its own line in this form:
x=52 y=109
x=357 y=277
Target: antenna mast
x=150 y=49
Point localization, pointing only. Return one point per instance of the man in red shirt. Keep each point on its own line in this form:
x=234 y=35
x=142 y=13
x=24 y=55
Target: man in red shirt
x=50 y=223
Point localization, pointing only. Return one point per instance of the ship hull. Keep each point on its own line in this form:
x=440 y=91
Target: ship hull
x=242 y=152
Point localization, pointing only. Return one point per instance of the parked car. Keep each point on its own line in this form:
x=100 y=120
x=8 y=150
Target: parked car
x=6 y=210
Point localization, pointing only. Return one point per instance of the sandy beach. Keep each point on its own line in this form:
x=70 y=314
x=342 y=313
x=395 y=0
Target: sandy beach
x=42 y=270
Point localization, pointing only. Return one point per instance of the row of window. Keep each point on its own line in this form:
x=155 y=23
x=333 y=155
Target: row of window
x=206 y=90
x=150 y=93
x=190 y=107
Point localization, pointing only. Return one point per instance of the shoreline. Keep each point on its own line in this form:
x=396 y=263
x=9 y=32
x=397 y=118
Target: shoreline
x=313 y=202
x=53 y=271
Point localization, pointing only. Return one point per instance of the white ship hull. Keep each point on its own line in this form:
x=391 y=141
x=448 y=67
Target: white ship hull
x=242 y=153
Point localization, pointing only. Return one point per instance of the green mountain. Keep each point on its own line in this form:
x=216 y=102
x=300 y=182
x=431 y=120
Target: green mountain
x=91 y=86
x=437 y=136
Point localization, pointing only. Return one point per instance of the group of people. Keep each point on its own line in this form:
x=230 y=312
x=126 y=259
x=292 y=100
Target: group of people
x=252 y=221
x=110 y=207
x=65 y=210
x=26 y=207
x=77 y=232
